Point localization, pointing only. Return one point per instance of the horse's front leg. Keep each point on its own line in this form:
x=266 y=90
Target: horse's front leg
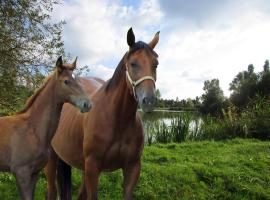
x=26 y=181
x=50 y=173
x=131 y=174
x=82 y=195
x=91 y=177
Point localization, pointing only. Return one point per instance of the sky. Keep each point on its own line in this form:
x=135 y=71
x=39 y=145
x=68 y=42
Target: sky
x=199 y=39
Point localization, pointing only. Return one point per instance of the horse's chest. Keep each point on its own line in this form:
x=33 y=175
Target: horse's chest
x=42 y=158
x=119 y=153
x=35 y=161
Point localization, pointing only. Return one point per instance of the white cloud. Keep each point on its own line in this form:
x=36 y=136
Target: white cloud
x=209 y=52
x=220 y=46
x=101 y=71
x=96 y=30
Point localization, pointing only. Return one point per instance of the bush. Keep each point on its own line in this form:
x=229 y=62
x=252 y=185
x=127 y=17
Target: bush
x=257 y=118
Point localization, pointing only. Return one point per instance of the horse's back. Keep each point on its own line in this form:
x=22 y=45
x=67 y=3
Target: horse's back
x=68 y=139
x=91 y=84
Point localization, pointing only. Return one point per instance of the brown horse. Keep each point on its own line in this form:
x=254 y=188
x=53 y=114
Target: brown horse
x=26 y=136
x=110 y=136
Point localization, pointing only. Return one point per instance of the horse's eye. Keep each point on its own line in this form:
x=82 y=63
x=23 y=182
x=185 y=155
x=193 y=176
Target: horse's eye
x=155 y=66
x=67 y=82
x=133 y=64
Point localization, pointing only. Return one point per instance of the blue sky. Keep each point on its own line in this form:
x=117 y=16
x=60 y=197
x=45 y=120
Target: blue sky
x=199 y=39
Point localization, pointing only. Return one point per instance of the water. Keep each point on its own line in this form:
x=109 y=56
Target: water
x=170 y=126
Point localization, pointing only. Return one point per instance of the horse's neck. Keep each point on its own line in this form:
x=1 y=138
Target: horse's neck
x=45 y=113
x=124 y=103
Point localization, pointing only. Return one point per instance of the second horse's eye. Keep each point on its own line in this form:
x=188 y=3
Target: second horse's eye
x=67 y=82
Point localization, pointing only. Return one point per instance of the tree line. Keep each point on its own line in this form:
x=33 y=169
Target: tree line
x=245 y=87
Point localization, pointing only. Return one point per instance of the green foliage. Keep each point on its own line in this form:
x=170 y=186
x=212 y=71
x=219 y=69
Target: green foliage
x=180 y=127
x=264 y=81
x=213 y=98
x=257 y=118
x=232 y=169
x=252 y=122
x=9 y=105
x=158 y=94
x=179 y=105
x=162 y=134
x=178 y=130
x=29 y=44
x=247 y=84
x=221 y=129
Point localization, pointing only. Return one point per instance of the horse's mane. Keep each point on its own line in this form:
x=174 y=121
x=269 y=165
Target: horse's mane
x=120 y=69
x=32 y=98
x=117 y=75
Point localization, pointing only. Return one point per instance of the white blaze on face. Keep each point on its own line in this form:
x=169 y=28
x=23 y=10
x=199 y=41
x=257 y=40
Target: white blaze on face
x=73 y=76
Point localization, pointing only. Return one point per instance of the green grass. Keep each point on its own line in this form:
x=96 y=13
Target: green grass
x=233 y=169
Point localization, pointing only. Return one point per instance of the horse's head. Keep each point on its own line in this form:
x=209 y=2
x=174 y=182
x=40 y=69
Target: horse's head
x=141 y=64
x=68 y=87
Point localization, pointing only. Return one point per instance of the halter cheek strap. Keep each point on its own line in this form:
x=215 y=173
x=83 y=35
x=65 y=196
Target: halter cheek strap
x=135 y=83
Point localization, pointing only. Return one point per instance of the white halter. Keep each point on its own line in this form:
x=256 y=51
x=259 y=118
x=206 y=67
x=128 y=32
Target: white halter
x=135 y=83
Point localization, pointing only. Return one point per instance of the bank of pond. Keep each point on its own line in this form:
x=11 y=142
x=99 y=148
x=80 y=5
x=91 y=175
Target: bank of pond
x=178 y=126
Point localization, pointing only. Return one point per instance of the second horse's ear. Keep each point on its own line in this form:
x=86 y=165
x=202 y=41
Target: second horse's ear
x=74 y=64
x=130 y=38
x=59 y=64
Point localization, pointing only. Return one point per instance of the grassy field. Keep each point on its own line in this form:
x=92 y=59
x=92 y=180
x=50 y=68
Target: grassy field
x=233 y=169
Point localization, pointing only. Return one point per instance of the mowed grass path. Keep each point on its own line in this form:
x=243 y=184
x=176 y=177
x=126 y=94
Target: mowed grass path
x=233 y=169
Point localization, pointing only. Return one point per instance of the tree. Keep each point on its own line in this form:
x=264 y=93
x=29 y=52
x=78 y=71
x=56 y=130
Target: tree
x=158 y=94
x=29 y=45
x=266 y=66
x=213 y=98
x=160 y=103
x=244 y=87
x=264 y=81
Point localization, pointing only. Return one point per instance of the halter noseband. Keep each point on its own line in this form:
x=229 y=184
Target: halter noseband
x=135 y=83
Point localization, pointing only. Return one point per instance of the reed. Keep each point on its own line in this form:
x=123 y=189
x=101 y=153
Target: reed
x=252 y=122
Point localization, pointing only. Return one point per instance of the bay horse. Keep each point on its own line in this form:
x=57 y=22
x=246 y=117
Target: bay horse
x=110 y=136
x=26 y=136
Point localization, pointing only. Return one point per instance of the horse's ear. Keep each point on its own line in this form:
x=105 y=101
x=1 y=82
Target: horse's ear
x=74 y=64
x=59 y=64
x=130 y=38
x=154 y=41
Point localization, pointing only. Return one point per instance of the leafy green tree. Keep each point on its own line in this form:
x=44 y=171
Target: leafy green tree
x=160 y=103
x=213 y=98
x=264 y=81
x=189 y=103
x=29 y=45
x=196 y=103
x=158 y=94
x=244 y=87
x=266 y=66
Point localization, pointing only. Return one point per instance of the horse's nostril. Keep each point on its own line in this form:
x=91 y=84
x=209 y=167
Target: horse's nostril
x=144 y=100
x=85 y=105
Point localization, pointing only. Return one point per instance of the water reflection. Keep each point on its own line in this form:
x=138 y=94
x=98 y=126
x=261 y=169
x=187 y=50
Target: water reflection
x=170 y=126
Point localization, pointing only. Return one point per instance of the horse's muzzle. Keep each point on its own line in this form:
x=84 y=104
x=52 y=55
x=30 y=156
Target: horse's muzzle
x=84 y=105
x=147 y=102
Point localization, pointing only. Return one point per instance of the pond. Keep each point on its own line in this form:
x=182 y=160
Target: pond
x=170 y=126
